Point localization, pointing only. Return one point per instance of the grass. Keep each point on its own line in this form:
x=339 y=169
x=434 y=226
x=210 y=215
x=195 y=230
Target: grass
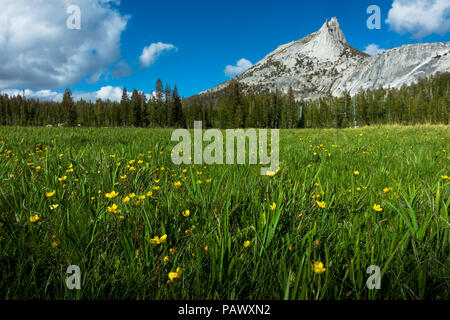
x=402 y=169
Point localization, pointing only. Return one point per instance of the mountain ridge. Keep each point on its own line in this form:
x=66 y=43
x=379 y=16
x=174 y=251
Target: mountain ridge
x=323 y=63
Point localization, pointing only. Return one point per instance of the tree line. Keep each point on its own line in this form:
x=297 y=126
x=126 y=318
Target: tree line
x=426 y=101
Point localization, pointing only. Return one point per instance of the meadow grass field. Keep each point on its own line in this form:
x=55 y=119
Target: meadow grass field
x=111 y=201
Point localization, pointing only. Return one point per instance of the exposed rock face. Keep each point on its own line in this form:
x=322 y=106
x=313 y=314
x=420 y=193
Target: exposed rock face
x=396 y=67
x=323 y=63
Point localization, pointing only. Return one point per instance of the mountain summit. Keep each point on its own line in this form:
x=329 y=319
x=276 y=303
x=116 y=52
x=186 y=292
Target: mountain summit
x=334 y=29
x=323 y=63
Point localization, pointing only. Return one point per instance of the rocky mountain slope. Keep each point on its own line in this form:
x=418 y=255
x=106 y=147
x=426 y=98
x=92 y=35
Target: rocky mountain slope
x=324 y=63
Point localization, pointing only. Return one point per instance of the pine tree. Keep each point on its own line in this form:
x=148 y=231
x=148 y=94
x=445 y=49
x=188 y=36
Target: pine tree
x=69 y=108
x=125 y=108
x=177 y=110
x=135 y=109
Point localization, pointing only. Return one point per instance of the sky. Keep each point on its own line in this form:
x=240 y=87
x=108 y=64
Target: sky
x=47 y=46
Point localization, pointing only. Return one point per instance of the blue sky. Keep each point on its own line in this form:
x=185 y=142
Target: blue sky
x=208 y=35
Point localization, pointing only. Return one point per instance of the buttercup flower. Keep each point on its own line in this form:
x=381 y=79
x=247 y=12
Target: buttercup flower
x=318 y=267
x=377 y=208
x=50 y=194
x=175 y=276
x=157 y=240
x=111 y=195
x=114 y=209
x=321 y=204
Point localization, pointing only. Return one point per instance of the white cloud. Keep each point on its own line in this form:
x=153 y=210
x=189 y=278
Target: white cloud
x=111 y=93
x=373 y=49
x=37 y=50
x=104 y=93
x=41 y=94
x=420 y=17
x=241 y=66
x=151 y=53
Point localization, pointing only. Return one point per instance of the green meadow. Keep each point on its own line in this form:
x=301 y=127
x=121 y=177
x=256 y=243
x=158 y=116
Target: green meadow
x=111 y=201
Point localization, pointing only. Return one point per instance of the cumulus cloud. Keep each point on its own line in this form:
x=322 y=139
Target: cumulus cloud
x=373 y=49
x=241 y=66
x=37 y=50
x=111 y=93
x=40 y=94
x=104 y=93
x=420 y=17
x=151 y=53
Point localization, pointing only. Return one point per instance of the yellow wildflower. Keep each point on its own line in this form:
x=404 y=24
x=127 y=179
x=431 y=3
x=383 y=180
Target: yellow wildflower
x=111 y=195
x=175 y=276
x=157 y=240
x=114 y=209
x=50 y=194
x=318 y=267
x=377 y=208
x=186 y=213
x=321 y=204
